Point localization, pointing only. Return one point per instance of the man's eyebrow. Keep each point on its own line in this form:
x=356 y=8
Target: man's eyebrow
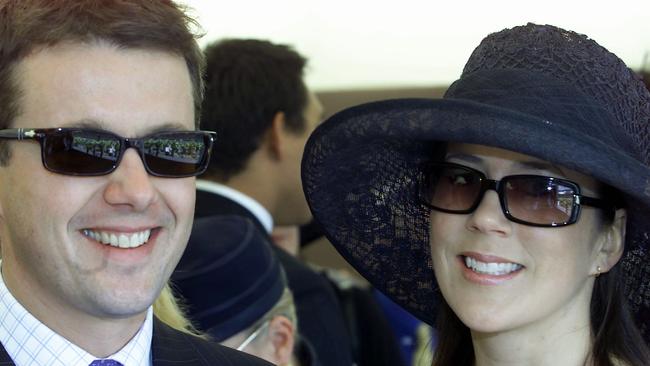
x=169 y=126
x=101 y=125
x=87 y=123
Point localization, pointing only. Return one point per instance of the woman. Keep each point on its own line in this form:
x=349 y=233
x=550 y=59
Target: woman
x=236 y=292
x=522 y=197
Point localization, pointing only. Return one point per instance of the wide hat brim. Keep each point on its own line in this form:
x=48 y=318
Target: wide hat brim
x=361 y=168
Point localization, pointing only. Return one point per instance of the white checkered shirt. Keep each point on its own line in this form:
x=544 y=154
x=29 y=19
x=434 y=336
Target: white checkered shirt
x=31 y=343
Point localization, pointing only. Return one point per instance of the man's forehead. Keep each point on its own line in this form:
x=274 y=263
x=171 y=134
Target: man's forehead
x=95 y=56
x=101 y=86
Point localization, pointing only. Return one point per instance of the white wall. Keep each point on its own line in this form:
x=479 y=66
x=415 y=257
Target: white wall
x=365 y=44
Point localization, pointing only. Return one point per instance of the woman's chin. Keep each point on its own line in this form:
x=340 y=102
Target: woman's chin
x=486 y=322
x=485 y=327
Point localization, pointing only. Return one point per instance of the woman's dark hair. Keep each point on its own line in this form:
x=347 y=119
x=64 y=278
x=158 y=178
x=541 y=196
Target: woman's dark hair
x=454 y=346
x=616 y=336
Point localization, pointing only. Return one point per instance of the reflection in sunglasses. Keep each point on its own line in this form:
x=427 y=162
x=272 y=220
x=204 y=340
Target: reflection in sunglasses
x=89 y=152
x=526 y=199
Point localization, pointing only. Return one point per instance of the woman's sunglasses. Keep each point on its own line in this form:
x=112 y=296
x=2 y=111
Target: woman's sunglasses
x=90 y=152
x=533 y=200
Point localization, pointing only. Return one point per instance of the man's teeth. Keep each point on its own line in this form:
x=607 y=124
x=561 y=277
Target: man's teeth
x=495 y=269
x=119 y=240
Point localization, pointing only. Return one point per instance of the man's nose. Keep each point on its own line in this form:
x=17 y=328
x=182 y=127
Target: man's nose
x=130 y=184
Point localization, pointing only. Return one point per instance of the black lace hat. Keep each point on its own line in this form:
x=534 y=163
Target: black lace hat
x=534 y=89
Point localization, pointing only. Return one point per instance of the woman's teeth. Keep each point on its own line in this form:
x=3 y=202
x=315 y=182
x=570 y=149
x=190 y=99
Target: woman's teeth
x=495 y=269
x=119 y=240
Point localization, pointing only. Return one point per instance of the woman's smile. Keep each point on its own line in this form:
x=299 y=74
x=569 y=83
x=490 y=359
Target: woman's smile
x=486 y=269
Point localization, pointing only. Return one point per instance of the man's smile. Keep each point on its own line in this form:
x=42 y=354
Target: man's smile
x=118 y=239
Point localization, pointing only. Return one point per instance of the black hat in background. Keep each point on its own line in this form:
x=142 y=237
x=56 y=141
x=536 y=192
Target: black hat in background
x=228 y=276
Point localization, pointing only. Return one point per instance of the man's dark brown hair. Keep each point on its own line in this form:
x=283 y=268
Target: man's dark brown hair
x=27 y=25
x=248 y=81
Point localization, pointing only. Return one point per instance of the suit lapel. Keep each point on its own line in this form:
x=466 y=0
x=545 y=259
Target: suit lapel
x=170 y=347
x=4 y=357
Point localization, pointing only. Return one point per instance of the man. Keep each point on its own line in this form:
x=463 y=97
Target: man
x=94 y=220
x=258 y=103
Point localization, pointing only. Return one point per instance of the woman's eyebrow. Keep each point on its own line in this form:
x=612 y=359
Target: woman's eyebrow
x=464 y=157
x=540 y=165
x=527 y=164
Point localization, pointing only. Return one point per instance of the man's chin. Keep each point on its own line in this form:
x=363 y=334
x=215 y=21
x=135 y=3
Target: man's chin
x=126 y=303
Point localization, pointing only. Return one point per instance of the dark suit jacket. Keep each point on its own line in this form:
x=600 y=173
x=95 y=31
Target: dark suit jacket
x=170 y=347
x=320 y=319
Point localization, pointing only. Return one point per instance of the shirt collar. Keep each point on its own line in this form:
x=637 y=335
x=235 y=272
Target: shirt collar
x=30 y=342
x=261 y=213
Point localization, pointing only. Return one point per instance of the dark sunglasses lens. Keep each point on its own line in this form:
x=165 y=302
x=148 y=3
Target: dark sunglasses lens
x=180 y=154
x=450 y=188
x=78 y=152
x=539 y=200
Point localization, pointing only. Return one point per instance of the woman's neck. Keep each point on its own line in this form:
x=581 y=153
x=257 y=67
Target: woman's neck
x=560 y=339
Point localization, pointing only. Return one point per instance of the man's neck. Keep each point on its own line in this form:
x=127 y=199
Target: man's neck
x=261 y=191
x=99 y=336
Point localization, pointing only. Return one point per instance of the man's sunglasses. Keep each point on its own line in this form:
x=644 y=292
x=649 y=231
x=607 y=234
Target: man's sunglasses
x=90 y=152
x=533 y=200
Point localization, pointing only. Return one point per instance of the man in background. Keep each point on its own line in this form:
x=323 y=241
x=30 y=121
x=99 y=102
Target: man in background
x=257 y=102
x=94 y=220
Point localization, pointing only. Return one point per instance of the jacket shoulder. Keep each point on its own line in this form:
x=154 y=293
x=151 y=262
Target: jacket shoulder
x=171 y=347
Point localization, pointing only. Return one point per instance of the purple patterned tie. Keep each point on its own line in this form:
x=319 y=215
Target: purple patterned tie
x=106 y=362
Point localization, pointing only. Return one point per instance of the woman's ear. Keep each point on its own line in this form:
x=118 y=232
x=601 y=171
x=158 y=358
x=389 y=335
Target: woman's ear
x=282 y=337
x=613 y=243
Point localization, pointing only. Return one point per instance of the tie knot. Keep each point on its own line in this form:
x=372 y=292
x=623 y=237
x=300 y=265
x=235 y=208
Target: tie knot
x=105 y=362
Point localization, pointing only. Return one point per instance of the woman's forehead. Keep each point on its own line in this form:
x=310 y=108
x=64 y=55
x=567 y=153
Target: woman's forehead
x=484 y=151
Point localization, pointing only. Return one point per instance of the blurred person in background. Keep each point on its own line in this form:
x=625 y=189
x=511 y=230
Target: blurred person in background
x=235 y=291
x=257 y=102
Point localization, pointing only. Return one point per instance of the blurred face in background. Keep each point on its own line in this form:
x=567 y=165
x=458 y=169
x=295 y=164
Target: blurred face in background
x=272 y=340
x=294 y=209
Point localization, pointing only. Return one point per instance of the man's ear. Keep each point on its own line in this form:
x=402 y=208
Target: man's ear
x=282 y=337
x=612 y=243
x=276 y=136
